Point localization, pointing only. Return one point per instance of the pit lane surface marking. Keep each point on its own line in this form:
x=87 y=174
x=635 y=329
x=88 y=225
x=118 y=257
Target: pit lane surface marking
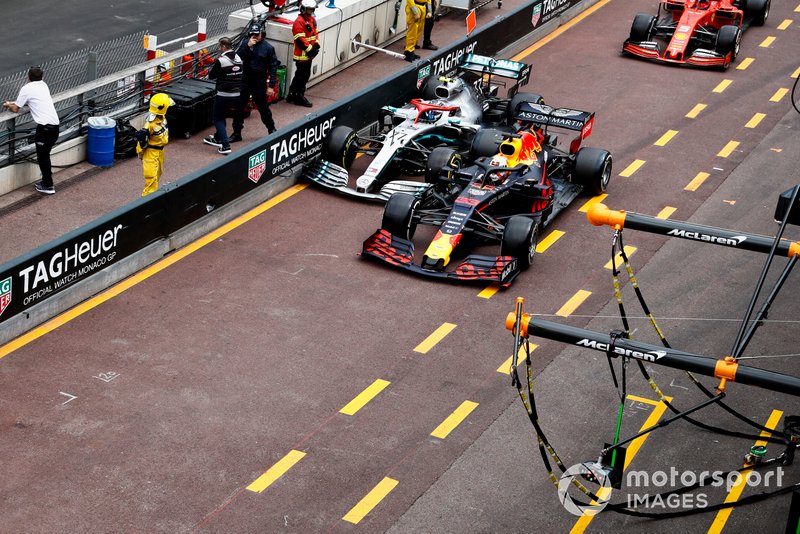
x=431 y=341
x=632 y=168
x=779 y=94
x=757 y=118
x=276 y=471
x=364 y=397
x=658 y=410
x=666 y=138
x=629 y=250
x=454 y=419
x=743 y=64
x=785 y=24
x=721 y=86
x=766 y=43
x=144 y=274
x=505 y=368
x=573 y=303
x=591 y=202
x=370 y=500
x=738 y=488
x=796 y=73
x=666 y=213
x=696 y=111
x=728 y=149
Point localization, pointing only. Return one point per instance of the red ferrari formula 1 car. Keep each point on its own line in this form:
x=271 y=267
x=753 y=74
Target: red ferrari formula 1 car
x=515 y=187
x=704 y=33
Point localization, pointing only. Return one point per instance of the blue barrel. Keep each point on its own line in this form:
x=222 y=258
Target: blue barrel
x=100 y=145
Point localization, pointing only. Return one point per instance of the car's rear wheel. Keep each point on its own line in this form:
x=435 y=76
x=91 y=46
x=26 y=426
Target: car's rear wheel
x=593 y=169
x=486 y=142
x=758 y=10
x=728 y=40
x=442 y=163
x=520 y=237
x=518 y=99
x=642 y=27
x=340 y=146
x=398 y=215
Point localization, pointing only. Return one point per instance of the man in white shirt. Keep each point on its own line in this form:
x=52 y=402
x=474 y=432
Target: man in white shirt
x=36 y=95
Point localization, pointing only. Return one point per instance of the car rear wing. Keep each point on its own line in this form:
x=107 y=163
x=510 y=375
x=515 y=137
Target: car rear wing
x=496 y=67
x=544 y=115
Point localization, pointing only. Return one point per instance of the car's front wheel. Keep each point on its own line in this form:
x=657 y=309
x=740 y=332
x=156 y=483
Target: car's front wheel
x=340 y=146
x=398 y=215
x=642 y=27
x=442 y=163
x=729 y=38
x=520 y=237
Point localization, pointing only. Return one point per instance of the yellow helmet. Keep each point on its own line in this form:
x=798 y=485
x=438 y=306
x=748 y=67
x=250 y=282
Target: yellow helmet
x=159 y=103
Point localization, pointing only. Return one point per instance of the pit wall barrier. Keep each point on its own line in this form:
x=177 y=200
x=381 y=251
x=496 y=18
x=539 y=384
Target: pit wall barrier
x=52 y=278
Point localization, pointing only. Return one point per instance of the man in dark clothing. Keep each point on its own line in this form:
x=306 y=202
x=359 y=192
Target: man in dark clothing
x=227 y=71
x=260 y=64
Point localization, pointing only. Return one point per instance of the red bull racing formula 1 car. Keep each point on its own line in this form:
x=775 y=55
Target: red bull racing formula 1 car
x=704 y=33
x=450 y=113
x=516 y=186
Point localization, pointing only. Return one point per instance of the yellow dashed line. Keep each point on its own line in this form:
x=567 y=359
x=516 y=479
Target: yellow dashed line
x=757 y=118
x=489 y=291
x=632 y=168
x=591 y=202
x=434 y=338
x=779 y=94
x=695 y=111
x=276 y=471
x=736 y=491
x=505 y=368
x=618 y=257
x=728 y=149
x=722 y=86
x=766 y=43
x=146 y=273
x=573 y=303
x=364 y=397
x=633 y=450
x=666 y=138
x=743 y=64
x=666 y=213
x=548 y=241
x=454 y=419
x=370 y=500
x=796 y=73
x=785 y=24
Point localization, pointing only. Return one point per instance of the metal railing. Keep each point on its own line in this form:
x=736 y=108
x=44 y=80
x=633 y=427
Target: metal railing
x=111 y=79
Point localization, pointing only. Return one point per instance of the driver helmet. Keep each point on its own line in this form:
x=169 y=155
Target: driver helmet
x=498 y=161
x=431 y=115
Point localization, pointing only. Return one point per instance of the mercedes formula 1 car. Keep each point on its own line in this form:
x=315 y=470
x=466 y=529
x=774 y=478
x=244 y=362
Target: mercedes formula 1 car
x=505 y=198
x=450 y=113
x=695 y=32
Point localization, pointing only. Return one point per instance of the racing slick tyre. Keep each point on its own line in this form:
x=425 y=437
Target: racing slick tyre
x=518 y=99
x=442 y=163
x=340 y=146
x=486 y=142
x=757 y=10
x=642 y=27
x=593 y=169
x=520 y=237
x=398 y=215
x=728 y=40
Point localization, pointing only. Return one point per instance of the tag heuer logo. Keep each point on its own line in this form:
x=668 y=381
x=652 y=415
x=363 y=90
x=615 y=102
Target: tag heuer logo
x=5 y=294
x=423 y=73
x=257 y=165
x=537 y=13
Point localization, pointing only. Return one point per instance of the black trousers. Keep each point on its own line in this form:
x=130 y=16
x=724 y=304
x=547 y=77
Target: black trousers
x=256 y=88
x=426 y=31
x=302 y=72
x=46 y=137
